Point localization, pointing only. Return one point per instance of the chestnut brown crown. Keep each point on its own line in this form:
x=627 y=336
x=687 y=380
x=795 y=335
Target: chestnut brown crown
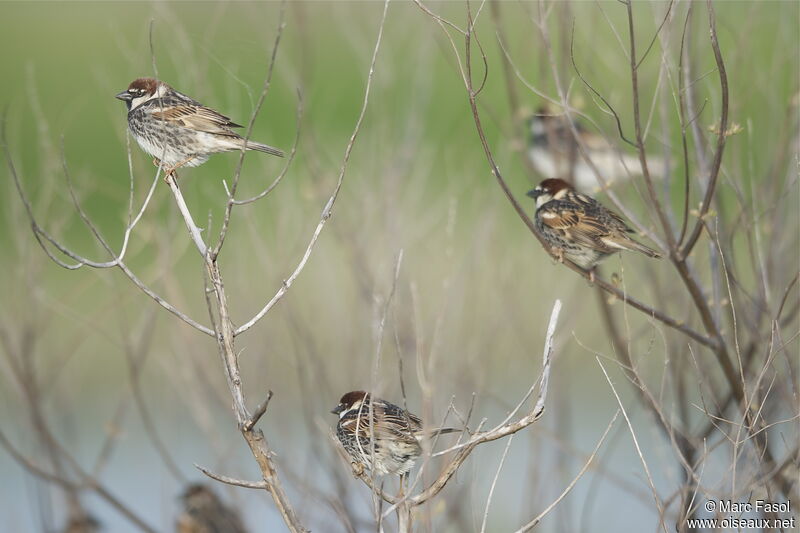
x=550 y=187
x=349 y=399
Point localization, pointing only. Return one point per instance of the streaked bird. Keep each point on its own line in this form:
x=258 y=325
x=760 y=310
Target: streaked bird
x=554 y=153
x=397 y=433
x=177 y=130
x=204 y=512
x=579 y=228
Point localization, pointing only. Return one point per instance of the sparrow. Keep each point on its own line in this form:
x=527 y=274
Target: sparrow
x=397 y=432
x=552 y=151
x=578 y=228
x=204 y=512
x=177 y=130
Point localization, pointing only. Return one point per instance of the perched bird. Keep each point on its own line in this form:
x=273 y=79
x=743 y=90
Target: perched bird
x=397 y=432
x=552 y=151
x=204 y=512
x=578 y=228
x=179 y=131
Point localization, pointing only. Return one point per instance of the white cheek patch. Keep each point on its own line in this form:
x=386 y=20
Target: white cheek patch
x=543 y=199
x=139 y=100
x=560 y=194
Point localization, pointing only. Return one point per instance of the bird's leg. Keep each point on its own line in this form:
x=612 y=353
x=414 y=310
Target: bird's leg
x=171 y=171
x=591 y=275
x=358 y=468
x=181 y=163
x=168 y=171
x=402 y=491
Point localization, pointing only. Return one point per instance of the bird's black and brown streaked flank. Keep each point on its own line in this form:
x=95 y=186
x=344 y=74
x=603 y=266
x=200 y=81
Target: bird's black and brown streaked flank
x=177 y=130
x=578 y=228
x=398 y=433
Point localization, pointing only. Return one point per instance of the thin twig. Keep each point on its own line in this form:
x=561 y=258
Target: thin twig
x=261 y=485
x=258 y=413
x=723 y=127
x=636 y=444
x=494 y=483
x=194 y=231
x=237 y=173
x=289 y=159
x=327 y=211
x=530 y=525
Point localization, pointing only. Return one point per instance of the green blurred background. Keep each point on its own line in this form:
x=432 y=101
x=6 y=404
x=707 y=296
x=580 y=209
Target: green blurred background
x=474 y=290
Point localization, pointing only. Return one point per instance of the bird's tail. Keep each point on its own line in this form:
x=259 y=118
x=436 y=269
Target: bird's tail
x=252 y=145
x=646 y=250
x=441 y=431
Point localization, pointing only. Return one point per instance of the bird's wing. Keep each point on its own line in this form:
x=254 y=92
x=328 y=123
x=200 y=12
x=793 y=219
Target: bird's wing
x=196 y=117
x=618 y=221
x=396 y=422
x=575 y=222
x=605 y=216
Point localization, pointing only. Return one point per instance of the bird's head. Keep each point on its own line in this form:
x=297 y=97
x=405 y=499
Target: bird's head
x=549 y=189
x=545 y=122
x=198 y=496
x=352 y=401
x=141 y=90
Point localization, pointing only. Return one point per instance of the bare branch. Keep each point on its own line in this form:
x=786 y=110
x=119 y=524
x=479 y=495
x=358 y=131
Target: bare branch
x=289 y=159
x=194 y=231
x=261 y=485
x=258 y=413
x=327 y=211
x=723 y=127
x=503 y=430
x=636 y=444
x=40 y=234
x=235 y=182
x=494 y=483
x=530 y=525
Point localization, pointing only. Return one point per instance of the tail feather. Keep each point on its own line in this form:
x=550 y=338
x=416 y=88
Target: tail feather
x=646 y=250
x=623 y=242
x=252 y=145
x=441 y=431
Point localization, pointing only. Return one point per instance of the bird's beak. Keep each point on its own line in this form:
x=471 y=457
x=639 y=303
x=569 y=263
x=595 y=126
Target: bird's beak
x=534 y=193
x=124 y=96
x=338 y=409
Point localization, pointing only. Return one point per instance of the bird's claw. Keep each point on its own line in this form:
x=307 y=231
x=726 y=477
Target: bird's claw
x=358 y=469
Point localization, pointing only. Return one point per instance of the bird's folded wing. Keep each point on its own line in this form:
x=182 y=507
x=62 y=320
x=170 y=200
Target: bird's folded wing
x=573 y=221
x=198 y=118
